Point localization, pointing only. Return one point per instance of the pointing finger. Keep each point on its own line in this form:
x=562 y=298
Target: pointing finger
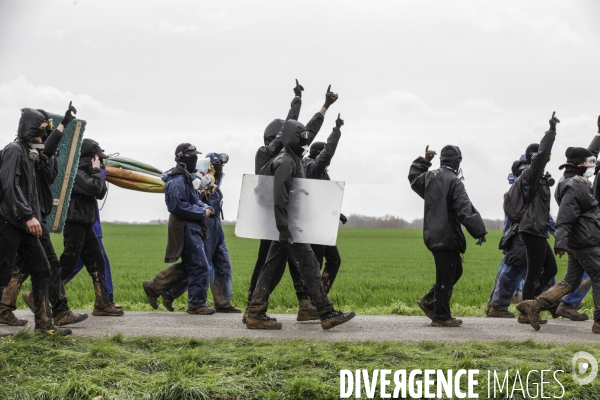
x=329 y=89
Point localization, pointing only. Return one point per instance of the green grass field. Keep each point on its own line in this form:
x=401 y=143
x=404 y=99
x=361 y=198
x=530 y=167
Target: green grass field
x=384 y=271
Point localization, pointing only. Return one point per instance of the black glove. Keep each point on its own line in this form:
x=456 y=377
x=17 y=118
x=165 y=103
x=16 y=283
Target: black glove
x=553 y=121
x=343 y=219
x=68 y=115
x=285 y=237
x=298 y=89
x=339 y=122
x=330 y=97
x=212 y=212
x=481 y=241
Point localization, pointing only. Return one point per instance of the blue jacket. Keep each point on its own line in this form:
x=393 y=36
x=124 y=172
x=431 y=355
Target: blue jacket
x=181 y=197
x=215 y=235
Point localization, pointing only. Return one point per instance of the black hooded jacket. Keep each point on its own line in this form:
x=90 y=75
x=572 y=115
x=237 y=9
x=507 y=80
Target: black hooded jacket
x=316 y=168
x=272 y=137
x=89 y=185
x=578 y=220
x=283 y=168
x=19 y=201
x=47 y=169
x=536 y=192
x=447 y=206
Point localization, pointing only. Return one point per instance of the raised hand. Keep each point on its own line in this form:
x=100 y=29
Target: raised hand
x=298 y=89
x=429 y=154
x=553 y=121
x=69 y=115
x=339 y=122
x=330 y=97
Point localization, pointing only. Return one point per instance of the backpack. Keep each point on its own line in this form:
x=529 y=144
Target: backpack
x=514 y=202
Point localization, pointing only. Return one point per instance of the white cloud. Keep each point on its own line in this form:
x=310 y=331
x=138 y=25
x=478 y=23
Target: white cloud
x=401 y=102
x=478 y=105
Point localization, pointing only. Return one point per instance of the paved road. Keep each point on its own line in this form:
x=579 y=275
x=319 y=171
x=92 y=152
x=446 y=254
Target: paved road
x=361 y=328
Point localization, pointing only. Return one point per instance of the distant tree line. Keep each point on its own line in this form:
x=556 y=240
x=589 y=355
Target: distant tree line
x=392 y=222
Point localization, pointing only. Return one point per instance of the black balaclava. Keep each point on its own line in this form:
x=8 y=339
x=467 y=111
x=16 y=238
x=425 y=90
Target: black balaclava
x=48 y=129
x=218 y=169
x=576 y=156
x=29 y=125
x=189 y=162
x=272 y=130
x=530 y=151
x=451 y=156
x=315 y=149
x=290 y=137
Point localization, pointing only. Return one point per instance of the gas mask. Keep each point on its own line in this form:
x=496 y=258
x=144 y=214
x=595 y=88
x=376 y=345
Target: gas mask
x=34 y=151
x=589 y=172
x=590 y=163
x=202 y=182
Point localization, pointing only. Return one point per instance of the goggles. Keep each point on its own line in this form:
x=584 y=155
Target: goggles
x=590 y=162
x=304 y=135
x=187 y=149
x=50 y=125
x=224 y=158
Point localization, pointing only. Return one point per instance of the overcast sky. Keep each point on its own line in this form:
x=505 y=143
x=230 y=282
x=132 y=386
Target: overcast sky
x=148 y=75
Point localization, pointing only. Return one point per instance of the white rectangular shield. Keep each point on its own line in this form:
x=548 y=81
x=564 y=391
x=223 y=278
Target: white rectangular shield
x=313 y=210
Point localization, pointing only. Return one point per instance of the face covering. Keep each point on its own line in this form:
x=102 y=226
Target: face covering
x=304 y=150
x=190 y=162
x=34 y=152
x=589 y=172
x=218 y=169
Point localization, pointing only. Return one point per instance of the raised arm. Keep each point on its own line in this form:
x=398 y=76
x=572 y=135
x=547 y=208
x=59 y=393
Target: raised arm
x=323 y=160
x=416 y=174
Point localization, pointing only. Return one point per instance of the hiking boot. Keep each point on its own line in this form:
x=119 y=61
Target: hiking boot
x=50 y=329
x=449 y=323
x=8 y=318
x=596 y=327
x=306 y=311
x=245 y=317
x=108 y=311
x=428 y=311
x=167 y=302
x=152 y=298
x=230 y=309
x=566 y=311
x=68 y=317
x=117 y=306
x=262 y=321
x=335 y=318
x=524 y=319
x=495 y=312
x=28 y=299
x=204 y=310
x=532 y=309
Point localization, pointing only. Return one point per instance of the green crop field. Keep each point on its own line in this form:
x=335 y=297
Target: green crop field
x=384 y=271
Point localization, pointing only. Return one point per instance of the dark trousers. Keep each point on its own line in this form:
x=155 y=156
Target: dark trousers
x=56 y=289
x=196 y=265
x=263 y=252
x=448 y=270
x=328 y=274
x=580 y=261
x=541 y=265
x=302 y=257
x=13 y=242
x=81 y=242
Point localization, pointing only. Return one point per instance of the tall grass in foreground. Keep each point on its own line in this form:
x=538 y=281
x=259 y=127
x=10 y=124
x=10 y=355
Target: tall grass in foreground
x=384 y=271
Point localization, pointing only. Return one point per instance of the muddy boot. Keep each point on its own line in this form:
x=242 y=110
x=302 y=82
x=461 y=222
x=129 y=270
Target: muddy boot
x=245 y=317
x=335 y=318
x=306 y=311
x=423 y=306
x=117 y=306
x=152 y=297
x=449 y=323
x=167 y=302
x=495 y=312
x=50 y=329
x=68 y=317
x=262 y=321
x=8 y=318
x=108 y=311
x=204 y=310
x=229 y=309
x=28 y=299
x=566 y=311
x=532 y=309
x=596 y=327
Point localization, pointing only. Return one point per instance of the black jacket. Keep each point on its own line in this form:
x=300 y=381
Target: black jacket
x=536 y=191
x=316 y=168
x=578 y=220
x=283 y=168
x=272 y=137
x=46 y=171
x=89 y=185
x=447 y=206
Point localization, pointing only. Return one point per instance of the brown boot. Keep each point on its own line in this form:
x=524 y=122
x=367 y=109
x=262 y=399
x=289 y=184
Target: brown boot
x=167 y=302
x=532 y=309
x=262 y=321
x=28 y=299
x=230 y=309
x=152 y=297
x=306 y=311
x=108 y=311
x=449 y=323
x=494 y=312
x=8 y=318
x=204 y=310
x=596 y=327
x=335 y=318
x=68 y=317
x=566 y=311
x=428 y=311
